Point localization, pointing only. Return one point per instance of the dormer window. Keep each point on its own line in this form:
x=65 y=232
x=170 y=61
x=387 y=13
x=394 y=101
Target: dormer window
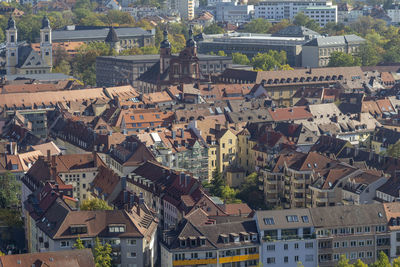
x=235 y=237
x=116 y=228
x=182 y=242
x=193 y=240
x=202 y=240
x=224 y=238
x=78 y=229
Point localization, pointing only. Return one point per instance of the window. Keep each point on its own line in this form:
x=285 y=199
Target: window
x=305 y=219
x=336 y=244
x=292 y=218
x=369 y=242
x=296 y=245
x=353 y=255
x=131 y=255
x=309 y=245
x=64 y=244
x=131 y=242
x=271 y=247
x=286 y=259
x=309 y=257
x=369 y=254
x=230 y=141
x=209 y=254
x=132 y=117
x=270 y=260
x=336 y=257
x=344 y=244
x=296 y=258
x=285 y=246
x=380 y=228
x=46 y=37
x=397 y=237
x=141 y=117
x=269 y=221
x=116 y=229
x=353 y=243
x=367 y=229
x=361 y=254
x=361 y=243
x=194 y=255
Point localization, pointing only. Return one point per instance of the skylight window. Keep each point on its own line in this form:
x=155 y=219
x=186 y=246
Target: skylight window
x=269 y=221
x=292 y=218
x=305 y=219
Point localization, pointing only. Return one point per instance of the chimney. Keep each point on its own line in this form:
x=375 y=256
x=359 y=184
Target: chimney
x=138 y=209
x=131 y=200
x=123 y=183
x=48 y=154
x=209 y=86
x=182 y=132
x=173 y=135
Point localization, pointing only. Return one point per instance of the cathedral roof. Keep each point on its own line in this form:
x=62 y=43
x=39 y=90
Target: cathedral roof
x=11 y=23
x=45 y=23
x=29 y=58
x=112 y=36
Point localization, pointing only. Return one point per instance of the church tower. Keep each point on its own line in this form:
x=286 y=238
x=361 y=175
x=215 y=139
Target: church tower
x=11 y=46
x=46 y=49
x=165 y=53
x=112 y=40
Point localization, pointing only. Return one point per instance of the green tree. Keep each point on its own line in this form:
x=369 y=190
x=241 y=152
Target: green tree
x=221 y=53
x=78 y=243
x=360 y=263
x=394 y=150
x=279 y=26
x=213 y=29
x=370 y=54
x=343 y=262
x=302 y=20
x=217 y=183
x=269 y=61
x=84 y=65
x=382 y=261
x=149 y=50
x=95 y=204
x=102 y=254
x=341 y=59
x=10 y=190
x=250 y=194
x=239 y=58
x=62 y=67
x=257 y=26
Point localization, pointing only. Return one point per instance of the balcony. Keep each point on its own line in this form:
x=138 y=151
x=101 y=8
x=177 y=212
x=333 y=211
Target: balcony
x=194 y=262
x=239 y=258
x=271 y=181
x=321 y=199
x=299 y=190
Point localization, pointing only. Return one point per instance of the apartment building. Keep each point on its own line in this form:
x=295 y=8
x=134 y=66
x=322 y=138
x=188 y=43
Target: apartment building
x=357 y=231
x=321 y=14
x=202 y=242
x=131 y=234
x=277 y=10
x=287 y=237
x=77 y=170
x=287 y=180
x=233 y=12
x=184 y=7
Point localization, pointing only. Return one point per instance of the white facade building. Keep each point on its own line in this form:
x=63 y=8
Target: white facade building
x=321 y=14
x=233 y=12
x=276 y=10
x=394 y=14
x=184 y=7
x=287 y=238
x=215 y=2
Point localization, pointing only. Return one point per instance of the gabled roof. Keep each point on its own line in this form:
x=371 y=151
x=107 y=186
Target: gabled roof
x=29 y=58
x=67 y=258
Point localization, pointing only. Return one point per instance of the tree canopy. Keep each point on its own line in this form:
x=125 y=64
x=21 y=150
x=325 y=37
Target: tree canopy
x=102 y=254
x=95 y=204
x=341 y=59
x=213 y=29
x=10 y=191
x=239 y=58
x=273 y=60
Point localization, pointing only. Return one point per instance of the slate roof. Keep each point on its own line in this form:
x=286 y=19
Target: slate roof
x=29 y=58
x=98 y=34
x=296 y=31
x=337 y=216
x=67 y=258
x=112 y=36
x=335 y=40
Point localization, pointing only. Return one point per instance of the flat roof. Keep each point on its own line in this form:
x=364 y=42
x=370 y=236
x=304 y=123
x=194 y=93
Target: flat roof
x=156 y=57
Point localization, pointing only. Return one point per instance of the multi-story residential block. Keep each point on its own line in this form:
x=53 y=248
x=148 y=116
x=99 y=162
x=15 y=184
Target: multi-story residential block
x=394 y=14
x=393 y=223
x=317 y=52
x=179 y=149
x=77 y=170
x=287 y=237
x=221 y=142
x=321 y=14
x=277 y=10
x=357 y=231
x=128 y=155
x=233 y=12
x=184 y=7
x=131 y=233
x=201 y=242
